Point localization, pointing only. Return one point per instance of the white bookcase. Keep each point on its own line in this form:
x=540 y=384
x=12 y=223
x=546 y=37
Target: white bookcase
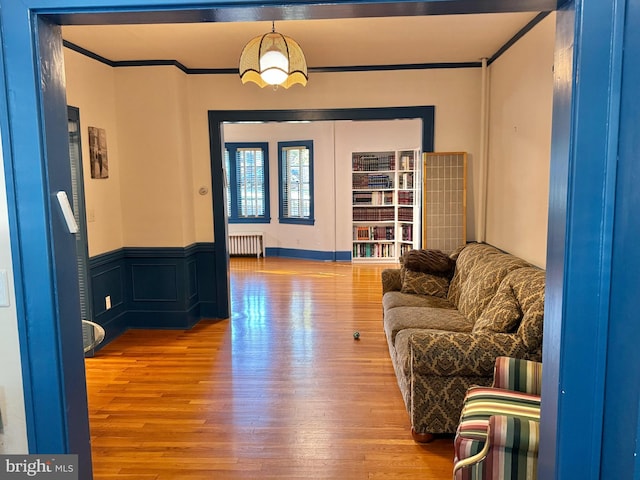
x=386 y=188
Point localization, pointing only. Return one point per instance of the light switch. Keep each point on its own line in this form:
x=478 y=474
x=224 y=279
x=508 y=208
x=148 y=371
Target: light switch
x=4 y=288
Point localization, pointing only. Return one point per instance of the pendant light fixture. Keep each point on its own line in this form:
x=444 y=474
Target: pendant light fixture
x=273 y=59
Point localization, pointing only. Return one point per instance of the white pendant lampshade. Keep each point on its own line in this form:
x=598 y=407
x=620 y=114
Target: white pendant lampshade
x=273 y=59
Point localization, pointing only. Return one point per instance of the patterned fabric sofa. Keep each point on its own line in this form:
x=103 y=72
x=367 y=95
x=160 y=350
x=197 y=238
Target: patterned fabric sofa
x=444 y=339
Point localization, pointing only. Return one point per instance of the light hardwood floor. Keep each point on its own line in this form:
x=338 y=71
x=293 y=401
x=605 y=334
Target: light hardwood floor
x=279 y=391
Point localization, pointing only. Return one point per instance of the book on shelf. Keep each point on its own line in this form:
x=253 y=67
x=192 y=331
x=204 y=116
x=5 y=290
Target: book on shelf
x=405 y=180
x=404 y=248
x=407 y=232
x=371 y=162
x=384 y=205
x=406 y=162
x=405 y=197
x=373 y=214
x=373 y=250
x=405 y=214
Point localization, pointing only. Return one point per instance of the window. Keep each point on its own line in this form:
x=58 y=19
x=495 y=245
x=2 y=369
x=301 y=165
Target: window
x=247 y=189
x=295 y=166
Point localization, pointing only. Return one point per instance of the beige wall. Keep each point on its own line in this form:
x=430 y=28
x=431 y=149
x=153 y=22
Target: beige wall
x=13 y=430
x=156 y=180
x=455 y=94
x=519 y=145
x=91 y=87
x=157 y=126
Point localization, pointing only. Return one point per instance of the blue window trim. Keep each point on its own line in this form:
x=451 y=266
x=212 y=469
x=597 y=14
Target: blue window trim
x=233 y=192
x=281 y=218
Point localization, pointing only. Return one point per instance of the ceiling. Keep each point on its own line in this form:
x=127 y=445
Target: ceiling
x=325 y=42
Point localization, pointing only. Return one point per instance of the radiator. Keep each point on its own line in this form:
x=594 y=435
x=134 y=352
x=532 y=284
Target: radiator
x=246 y=243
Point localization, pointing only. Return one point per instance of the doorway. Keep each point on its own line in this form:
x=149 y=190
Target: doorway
x=33 y=178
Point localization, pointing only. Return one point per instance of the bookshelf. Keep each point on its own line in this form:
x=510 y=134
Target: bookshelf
x=385 y=204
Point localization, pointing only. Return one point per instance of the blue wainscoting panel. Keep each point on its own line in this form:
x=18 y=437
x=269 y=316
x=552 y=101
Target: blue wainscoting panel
x=151 y=282
x=153 y=288
x=192 y=279
x=107 y=275
x=207 y=271
x=307 y=254
x=108 y=282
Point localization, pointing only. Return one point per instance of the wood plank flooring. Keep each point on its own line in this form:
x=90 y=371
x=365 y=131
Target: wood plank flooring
x=279 y=391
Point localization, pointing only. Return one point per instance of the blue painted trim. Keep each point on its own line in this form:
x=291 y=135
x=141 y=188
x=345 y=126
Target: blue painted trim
x=13 y=187
x=87 y=53
x=259 y=220
x=326 y=69
x=26 y=100
x=282 y=218
x=216 y=121
x=105 y=258
x=343 y=256
x=578 y=304
x=234 y=71
x=234 y=216
x=535 y=21
x=620 y=446
x=103 y=12
x=307 y=254
x=48 y=302
x=151 y=63
x=395 y=67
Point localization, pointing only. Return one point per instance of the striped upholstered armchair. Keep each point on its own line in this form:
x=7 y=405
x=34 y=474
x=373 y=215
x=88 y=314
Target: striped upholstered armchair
x=498 y=433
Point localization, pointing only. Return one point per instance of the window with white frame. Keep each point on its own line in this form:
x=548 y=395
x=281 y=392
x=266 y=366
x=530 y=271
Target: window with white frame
x=295 y=168
x=247 y=176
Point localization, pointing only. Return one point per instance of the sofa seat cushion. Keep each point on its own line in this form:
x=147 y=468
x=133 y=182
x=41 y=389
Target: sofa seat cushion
x=398 y=299
x=399 y=318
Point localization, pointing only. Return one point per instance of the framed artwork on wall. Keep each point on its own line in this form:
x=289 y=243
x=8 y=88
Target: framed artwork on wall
x=98 y=152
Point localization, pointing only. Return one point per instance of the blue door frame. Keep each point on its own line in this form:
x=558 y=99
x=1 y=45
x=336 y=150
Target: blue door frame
x=591 y=334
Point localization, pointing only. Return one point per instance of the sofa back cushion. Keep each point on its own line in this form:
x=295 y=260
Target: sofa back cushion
x=503 y=313
x=518 y=306
x=532 y=303
x=482 y=269
x=435 y=262
x=470 y=255
x=420 y=283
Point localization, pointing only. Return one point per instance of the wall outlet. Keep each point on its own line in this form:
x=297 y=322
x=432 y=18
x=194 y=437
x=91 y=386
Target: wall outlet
x=107 y=302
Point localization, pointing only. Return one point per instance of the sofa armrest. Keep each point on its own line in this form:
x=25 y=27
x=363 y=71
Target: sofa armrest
x=518 y=434
x=511 y=445
x=518 y=375
x=391 y=281
x=436 y=352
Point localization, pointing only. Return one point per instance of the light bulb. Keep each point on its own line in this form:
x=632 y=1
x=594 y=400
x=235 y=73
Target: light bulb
x=274 y=67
